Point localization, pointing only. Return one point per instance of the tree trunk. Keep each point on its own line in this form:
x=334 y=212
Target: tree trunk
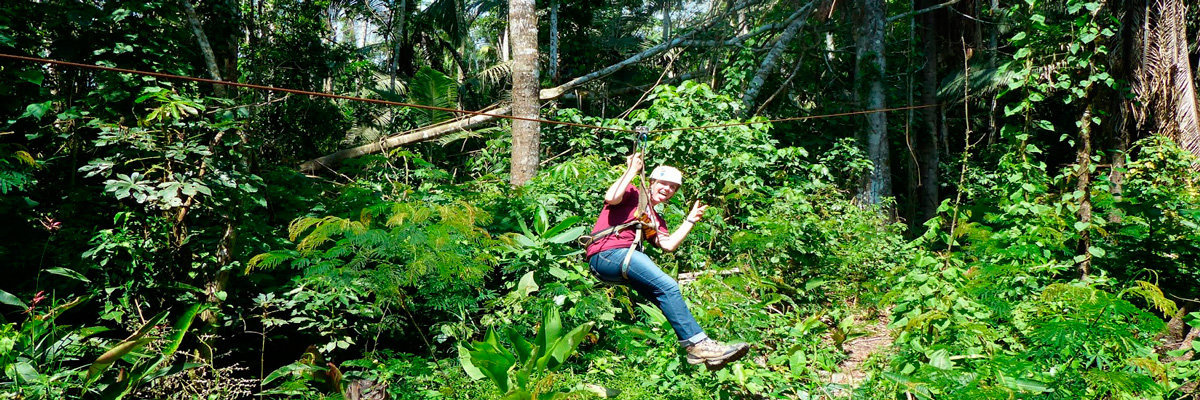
x=397 y=39
x=1083 y=161
x=666 y=20
x=210 y=60
x=1164 y=80
x=768 y=63
x=522 y=22
x=869 y=71
x=553 y=68
x=503 y=46
x=927 y=135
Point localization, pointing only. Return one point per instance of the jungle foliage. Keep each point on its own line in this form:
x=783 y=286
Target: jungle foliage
x=161 y=242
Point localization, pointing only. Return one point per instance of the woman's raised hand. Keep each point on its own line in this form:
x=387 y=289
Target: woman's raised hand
x=635 y=162
x=697 y=212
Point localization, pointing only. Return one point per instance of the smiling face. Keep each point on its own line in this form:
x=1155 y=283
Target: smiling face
x=661 y=191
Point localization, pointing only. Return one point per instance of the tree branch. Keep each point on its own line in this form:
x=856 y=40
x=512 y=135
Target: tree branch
x=921 y=11
x=413 y=136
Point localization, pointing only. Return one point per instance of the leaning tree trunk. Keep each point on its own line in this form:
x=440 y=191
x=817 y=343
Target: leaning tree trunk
x=868 y=76
x=210 y=60
x=768 y=64
x=522 y=23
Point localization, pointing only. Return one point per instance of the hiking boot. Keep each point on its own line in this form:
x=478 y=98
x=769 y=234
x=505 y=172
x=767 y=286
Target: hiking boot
x=715 y=354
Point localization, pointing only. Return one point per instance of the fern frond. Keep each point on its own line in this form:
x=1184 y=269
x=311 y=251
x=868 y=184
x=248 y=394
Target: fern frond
x=1152 y=367
x=299 y=225
x=25 y=158
x=497 y=74
x=1154 y=297
x=270 y=259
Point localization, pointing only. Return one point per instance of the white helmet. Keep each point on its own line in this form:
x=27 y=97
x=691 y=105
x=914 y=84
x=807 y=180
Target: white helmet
x=667 y=174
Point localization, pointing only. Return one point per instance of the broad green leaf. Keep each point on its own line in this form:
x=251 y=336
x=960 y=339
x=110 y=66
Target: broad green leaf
x=940 y=359
x=464 y=359
x=520 y=346
x=36 y=110
x=1025 y=385
x=568 y=236
x=561 y=226
x=527 y=285
x=542 y=222
x=566 y=345
x=8 y=298
x=31 y=75
x=68 y=273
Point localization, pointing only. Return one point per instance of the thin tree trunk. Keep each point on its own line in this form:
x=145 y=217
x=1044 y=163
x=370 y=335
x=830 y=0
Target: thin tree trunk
x=1083 y=160
x=772 y=58
x=869 y=73
x=553 y=68
x=398 y=39
x=666 y=20
x=503 y=45
x=210 y=60
x=522 y=22
x=927 y=136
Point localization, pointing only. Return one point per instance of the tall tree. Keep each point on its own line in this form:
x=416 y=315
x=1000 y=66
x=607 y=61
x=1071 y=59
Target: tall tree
x=927 y=135
x=868 y=82
x=522 y=26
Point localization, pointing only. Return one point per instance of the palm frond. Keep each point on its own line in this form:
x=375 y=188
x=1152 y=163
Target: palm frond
x=432 y=88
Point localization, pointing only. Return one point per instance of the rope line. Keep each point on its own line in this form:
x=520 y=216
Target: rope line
x=435 y=108
x=302 y=92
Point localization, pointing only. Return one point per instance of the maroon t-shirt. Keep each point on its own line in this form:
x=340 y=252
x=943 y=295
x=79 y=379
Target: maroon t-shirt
x=613 y=215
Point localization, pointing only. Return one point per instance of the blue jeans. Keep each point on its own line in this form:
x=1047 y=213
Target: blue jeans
x=646 y=278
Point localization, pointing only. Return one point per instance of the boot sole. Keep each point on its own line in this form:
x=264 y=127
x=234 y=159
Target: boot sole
x=714 y=364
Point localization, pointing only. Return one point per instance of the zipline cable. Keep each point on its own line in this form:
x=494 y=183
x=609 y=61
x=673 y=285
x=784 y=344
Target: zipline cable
x=302 y=92
x=435 y=108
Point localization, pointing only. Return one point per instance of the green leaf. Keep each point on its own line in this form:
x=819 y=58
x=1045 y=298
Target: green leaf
x=521 y=347
x=1096 y=251
x=561 y=226
x=36 y=110
x=432 y=88
x=527 y=285
x=940 y=359
x=69 y=274
x=31 y=75
x=464 y=359
x=541 y=223
x=568 y=236
x=8 y=298
x=565 y=346
x=1025 y=385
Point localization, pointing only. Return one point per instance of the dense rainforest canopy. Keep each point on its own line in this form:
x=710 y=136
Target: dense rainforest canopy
x=908 y=199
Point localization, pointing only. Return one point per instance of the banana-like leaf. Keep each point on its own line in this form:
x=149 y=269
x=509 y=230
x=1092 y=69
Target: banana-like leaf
x=562 y=226
x=8 y=298
x=179 y=330
x=133 y=342
x=566 y=345
x=520 y=345
x=464 y=359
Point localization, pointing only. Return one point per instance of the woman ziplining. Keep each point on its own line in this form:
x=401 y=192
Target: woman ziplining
x=614 y=253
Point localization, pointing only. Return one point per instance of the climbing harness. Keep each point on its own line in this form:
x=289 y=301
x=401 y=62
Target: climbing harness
x=643 y=226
